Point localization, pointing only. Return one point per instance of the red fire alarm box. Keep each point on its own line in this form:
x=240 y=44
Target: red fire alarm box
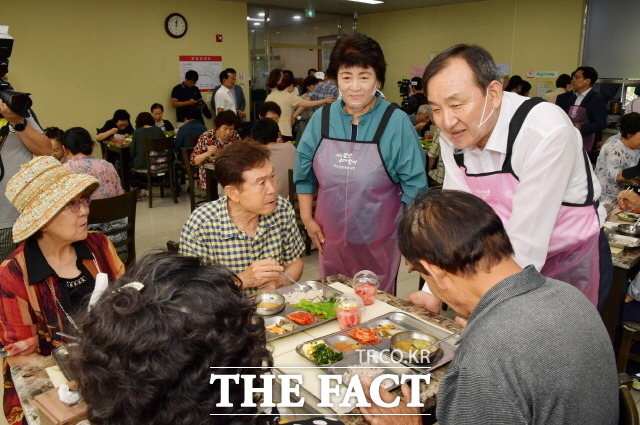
x=219 y=38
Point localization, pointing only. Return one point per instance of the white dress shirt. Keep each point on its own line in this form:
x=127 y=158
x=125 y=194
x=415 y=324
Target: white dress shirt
x=580 y=97
x=549 y=161
x=224 y=99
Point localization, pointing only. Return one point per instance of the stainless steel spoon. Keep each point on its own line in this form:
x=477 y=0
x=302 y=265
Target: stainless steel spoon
x=303 y=286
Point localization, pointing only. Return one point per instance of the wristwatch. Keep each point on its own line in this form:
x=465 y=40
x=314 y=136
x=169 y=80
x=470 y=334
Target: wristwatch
x=20 y=126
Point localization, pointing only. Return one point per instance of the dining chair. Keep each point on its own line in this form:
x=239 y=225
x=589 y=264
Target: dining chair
x=194 y=189
x=293 y=199
x=628 y=409
x=159 y=170
x=630 y=334
x=121 y=211
x=173 y=246
x=103 y=145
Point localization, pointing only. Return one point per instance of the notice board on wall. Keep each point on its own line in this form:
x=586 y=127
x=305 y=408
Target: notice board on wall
x=207 y=67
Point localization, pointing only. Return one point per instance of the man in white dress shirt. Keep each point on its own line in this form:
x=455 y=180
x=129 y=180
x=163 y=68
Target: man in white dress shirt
x=536 y=176
x=224 y=97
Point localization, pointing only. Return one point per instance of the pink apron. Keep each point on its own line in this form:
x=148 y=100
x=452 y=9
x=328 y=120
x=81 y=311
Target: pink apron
x=359 y=207
x=578 y=115
x=573 y=254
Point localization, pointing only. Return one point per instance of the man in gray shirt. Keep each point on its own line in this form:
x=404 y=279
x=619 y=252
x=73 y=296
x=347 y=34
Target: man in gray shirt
x=534 y=349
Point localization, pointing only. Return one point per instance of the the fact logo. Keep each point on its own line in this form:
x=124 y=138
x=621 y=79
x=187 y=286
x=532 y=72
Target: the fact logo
x=329 y=389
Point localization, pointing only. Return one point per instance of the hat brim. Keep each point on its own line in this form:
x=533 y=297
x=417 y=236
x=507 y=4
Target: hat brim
x=50 y=202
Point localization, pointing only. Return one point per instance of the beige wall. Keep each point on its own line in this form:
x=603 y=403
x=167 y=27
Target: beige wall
x=540 y=35
x=83 y=60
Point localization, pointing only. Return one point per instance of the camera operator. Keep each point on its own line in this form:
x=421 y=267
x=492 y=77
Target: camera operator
x=24 y=138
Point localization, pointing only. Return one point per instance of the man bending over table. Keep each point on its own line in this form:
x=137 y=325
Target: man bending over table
x=251 y=230
x=534 y=350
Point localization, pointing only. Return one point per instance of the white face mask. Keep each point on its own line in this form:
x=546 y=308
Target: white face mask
x=482 y=121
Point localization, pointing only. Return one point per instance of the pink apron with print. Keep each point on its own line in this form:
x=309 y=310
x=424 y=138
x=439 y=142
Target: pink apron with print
x=578 y=115
x=358 y=208
x=573 y=254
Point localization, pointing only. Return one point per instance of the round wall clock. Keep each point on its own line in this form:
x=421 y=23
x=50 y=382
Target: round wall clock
x=175 y=25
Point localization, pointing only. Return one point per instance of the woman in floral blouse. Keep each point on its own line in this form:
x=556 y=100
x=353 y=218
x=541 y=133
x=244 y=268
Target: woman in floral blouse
x=211 y=141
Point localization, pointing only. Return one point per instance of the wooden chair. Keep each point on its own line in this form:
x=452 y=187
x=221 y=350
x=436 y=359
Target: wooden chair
x=159 y=171
x=630 y=334
x=194 y=189
x=628 y=410
x=103 y=145
x=111 y=209
x=293 y=198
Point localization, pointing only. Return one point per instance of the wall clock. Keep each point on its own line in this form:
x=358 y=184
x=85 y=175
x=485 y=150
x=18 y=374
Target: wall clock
x=175 y=25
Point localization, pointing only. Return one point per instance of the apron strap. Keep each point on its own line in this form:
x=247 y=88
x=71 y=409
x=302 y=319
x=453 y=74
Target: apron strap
x=514 y=128
x=383 y=123
x=326 y=112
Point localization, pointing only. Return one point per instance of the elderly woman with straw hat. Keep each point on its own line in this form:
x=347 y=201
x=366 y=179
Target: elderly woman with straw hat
x=55 y=269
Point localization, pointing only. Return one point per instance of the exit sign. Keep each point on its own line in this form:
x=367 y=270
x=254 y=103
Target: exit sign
x=310 y=13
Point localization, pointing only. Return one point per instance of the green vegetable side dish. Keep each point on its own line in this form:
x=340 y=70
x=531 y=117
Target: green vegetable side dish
x=325 y=309
x=324 y=355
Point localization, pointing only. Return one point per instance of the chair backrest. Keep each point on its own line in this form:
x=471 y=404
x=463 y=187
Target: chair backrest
x=628 y=409
x=103 y=145
x=173 y=246
x=159 y=155
x=193 y=139
x=186 y=160
x=115 y=208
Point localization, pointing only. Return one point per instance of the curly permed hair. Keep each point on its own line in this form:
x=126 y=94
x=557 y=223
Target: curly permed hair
x=145 y=356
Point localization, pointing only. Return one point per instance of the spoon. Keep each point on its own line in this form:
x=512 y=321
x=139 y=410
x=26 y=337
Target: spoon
x=303 y=286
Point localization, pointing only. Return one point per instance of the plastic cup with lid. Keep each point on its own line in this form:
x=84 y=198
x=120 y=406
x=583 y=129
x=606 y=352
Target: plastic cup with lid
x=349 y=309
x=366 y=284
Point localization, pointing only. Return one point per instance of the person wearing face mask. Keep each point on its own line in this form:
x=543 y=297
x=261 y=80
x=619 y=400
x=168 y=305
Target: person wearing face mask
x=363 y=158
x=523 y=157
x=586 y=108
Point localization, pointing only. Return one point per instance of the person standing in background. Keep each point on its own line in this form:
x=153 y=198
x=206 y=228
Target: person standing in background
x=188 y=94
x=563 y=85
x=236 y=92
x=586 y=108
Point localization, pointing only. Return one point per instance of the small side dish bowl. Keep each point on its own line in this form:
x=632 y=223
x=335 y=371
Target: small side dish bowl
x=415 y=346
x=269 y=303
x=629 y=230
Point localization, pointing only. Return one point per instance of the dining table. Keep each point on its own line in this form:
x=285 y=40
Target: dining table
x=119 y=154
x=32 y=379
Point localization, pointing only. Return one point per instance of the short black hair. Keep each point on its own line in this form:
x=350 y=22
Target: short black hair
x=54 y=133
x=191 y=75
x=144 y=118
x=418 y=82
x=156 y=106
x=231 y=71
x=629 y=124
x=190 y=112
x=77 y=140
x=265 y=131
x=225 y=117
x=588 y=72
x=310 y=70
x=269 y=106
x=563 y=80
x=358 y=50
x=440 y=230
x=236 y=158
x=525 y=88
x=477 y=58
x=224 y=75
x=514 y=82
x=121 y=115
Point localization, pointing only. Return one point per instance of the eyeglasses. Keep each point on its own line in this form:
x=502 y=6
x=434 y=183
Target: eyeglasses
x=74 y=206
x=577 y=77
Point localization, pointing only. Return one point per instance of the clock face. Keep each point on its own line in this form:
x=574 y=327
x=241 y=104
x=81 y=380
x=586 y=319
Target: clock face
x=176 y=25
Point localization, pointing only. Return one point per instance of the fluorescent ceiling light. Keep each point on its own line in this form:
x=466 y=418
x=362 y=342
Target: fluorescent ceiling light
x=368 y=1
x=297 y=17
x=257 y=19
x=261 y=14
x=256 y=24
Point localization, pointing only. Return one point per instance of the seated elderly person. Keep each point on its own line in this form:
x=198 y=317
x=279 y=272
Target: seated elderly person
x=117 y=127
x=518 y=320
x=146 y=348
x=54 y=134
x=251 y=229
x=618 y=153
x=49 y=277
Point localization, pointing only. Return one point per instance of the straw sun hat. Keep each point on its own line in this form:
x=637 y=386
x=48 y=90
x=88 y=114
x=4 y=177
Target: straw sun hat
x=40 y=190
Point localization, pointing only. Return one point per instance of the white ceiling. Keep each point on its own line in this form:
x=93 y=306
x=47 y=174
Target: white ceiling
x=348 y=7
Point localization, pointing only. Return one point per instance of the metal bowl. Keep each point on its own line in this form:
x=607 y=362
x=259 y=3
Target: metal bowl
x=629 y=230
x=269 y=297
x=417 y=356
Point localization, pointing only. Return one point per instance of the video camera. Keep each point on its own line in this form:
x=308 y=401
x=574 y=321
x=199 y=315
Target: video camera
x=405 y=91
x=16 y=101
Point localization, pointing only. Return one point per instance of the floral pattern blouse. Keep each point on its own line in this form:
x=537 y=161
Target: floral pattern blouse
x=613 y=158
x=104 y=171
x=208 y=138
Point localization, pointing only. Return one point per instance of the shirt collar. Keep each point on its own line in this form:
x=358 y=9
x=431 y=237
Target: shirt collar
x=38 y=269
x=584 y=93
x=513 y=286
x=229 y=230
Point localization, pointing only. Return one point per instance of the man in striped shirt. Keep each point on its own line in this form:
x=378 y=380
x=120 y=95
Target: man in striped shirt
x=251 y=230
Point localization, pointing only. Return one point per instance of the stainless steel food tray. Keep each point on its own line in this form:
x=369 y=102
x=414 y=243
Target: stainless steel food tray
x=402 y=321
x=327 y=293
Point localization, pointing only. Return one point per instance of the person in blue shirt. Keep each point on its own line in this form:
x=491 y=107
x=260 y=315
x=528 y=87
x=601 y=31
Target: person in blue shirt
x=362 y=157
x=191 y=127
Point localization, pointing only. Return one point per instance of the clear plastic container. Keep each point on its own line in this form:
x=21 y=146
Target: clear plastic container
x=349 y=309
x=366 y=284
